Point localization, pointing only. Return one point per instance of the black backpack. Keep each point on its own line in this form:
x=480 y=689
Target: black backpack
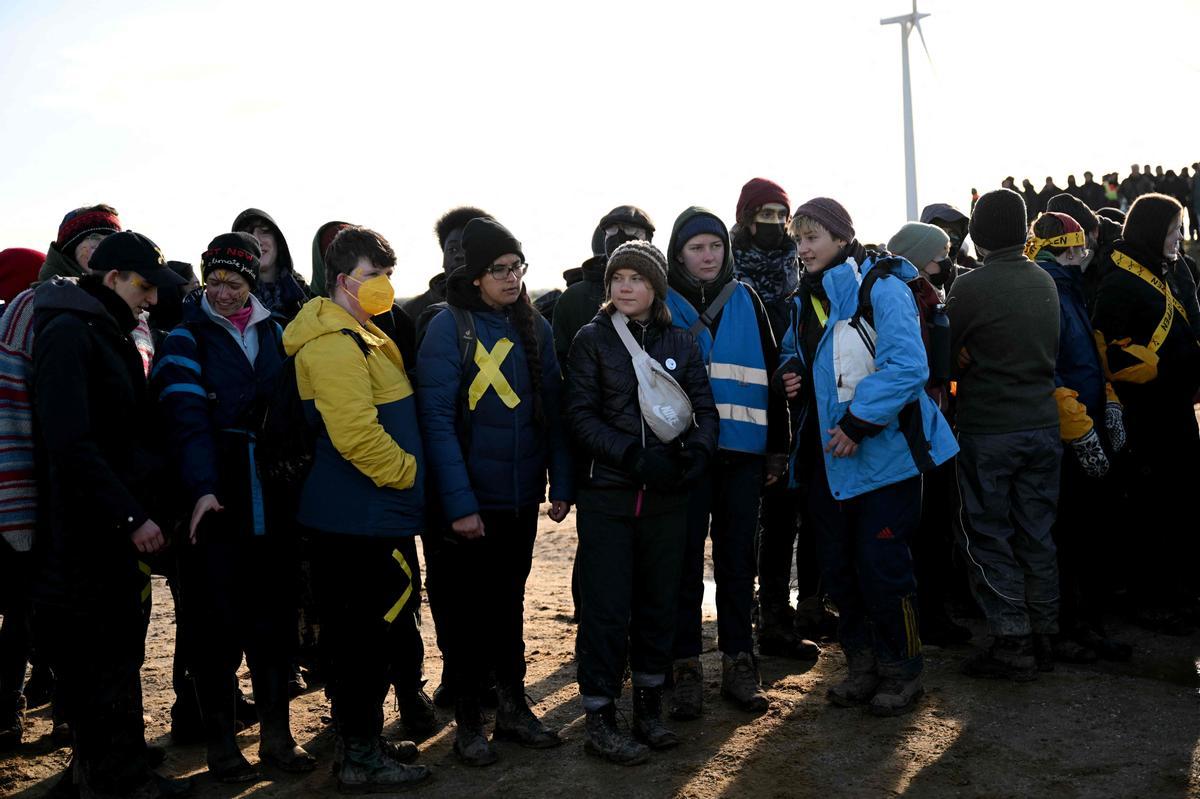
x=286 y=443
x=938 y=350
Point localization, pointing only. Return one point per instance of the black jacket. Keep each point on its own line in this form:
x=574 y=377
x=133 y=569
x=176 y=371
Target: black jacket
x=576 y=307
x=290 y=290
x=92 y=427
x=602 y=409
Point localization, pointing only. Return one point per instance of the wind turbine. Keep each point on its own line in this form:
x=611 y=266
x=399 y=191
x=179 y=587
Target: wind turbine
x=907 y=23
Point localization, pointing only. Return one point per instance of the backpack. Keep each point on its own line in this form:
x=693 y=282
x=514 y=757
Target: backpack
x=286 y=444
x=937 y=350
x=910 y=421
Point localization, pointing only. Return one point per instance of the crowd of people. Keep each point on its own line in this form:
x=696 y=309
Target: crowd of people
x=964 y=420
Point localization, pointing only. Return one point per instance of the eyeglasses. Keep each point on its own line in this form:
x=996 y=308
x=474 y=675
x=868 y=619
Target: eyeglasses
x=502 y=271
x=629 y=230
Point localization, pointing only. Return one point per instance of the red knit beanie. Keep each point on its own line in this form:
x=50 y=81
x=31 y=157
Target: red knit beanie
x=82 y=222
x=755 y=194
x=18 y=269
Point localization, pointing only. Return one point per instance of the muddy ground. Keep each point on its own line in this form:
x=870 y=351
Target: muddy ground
x=1108 y=730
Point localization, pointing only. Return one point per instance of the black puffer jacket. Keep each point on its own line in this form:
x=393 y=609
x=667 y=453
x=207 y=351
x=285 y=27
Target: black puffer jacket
x=92 y=417
x=602 y=400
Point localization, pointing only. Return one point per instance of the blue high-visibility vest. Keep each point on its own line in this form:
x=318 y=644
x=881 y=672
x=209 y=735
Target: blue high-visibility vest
x=737 y=369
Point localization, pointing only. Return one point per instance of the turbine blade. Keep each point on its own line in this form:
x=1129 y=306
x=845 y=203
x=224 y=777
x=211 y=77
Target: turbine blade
x=921 y=33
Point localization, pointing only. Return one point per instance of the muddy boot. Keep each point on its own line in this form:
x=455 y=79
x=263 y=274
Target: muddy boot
x=366 y=769
x=12 y=719
x=813 y=620
x=774 y=628
x=470 y=742
x=1009 y=657
x=516 y=722
x=648 y=725
x=860 y=684
x=417 y=716
x=276 y=746
x=605 y=739
x=400 y=751
x=687 y=696
x=895 y=696
x=39 y=688
x=740 y=683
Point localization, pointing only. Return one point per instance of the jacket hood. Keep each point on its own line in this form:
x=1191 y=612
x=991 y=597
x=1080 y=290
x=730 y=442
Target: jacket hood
x=677 y=275
x=241 y=224
x=316 y=281
x=593 y=268
x=65 y=295
x=626 y=214
x=461 y=291
x=321 y=316
x=58 y=264
x=947 y=213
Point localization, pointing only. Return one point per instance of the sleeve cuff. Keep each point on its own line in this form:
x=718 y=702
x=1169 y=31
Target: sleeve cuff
x=856 y=429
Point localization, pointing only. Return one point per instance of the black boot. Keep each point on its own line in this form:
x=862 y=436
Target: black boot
x=516 y=722
x=276 y=745
x=1009 y=657
x=416 y=711
x=648 y=725
x=12 y=719
x=470 y=742
x=225 y=760
x=366 y=768
x=605 y=739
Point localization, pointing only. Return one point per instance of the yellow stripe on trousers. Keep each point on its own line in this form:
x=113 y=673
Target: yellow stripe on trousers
x=144 y=568
x=391 y=615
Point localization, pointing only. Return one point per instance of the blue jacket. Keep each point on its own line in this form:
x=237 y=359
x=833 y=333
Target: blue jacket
x=874 y=390
x=737 y=369
x=501 y=460
x=212 y=381
x=1078 y=365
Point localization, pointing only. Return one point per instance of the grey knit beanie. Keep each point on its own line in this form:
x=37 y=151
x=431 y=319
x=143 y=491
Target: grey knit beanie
x=643 y=258
x=919 y=243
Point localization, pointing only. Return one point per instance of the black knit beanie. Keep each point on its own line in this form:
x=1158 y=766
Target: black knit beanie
x=1149 y=220
x=998 y=220
x=234 y=252
x=484 y=240
x=1075 y=208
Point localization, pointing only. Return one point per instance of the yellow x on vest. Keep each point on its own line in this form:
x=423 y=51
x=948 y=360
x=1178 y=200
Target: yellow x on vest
x=490 y=375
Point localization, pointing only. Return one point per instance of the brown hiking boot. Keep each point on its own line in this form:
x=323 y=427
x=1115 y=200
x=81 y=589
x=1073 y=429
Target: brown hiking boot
x=860 y=684
x=894 y=696
x=740 y=683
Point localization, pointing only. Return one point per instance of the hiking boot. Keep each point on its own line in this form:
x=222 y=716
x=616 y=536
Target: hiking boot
x=296 y=684
x=516 y=722
x=400 y=751
x=1067 y=649
x=895 y=697
x=740 y=683
x=60 y=733
x=1009 y=657
x=39 y=688
x=605 y=739
x=813 y=620
x=470 y=743
x=860 y=684
x=777 y=638
x=366 y=769
x=417 y=716
x=648 y=725
x=687 y=697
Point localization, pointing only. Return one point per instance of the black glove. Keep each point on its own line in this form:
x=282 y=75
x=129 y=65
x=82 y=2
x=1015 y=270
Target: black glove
x=652 y=468
x=694 y=463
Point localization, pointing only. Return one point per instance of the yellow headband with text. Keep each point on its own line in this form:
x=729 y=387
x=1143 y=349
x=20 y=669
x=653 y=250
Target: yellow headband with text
x=1035 y=245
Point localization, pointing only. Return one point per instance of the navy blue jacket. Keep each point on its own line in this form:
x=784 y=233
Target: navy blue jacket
x=1078 y=365
x=211 y=396
x=502 y=458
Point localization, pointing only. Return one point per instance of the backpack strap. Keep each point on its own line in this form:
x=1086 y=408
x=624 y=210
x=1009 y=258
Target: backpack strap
x=358 y=339
x=881 y=268
x=466 y=333
x=705 y=320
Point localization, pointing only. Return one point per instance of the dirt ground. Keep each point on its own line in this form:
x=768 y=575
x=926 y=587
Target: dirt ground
x=1108 y=730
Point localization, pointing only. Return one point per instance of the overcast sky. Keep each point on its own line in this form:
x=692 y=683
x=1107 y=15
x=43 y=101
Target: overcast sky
x=181 y=114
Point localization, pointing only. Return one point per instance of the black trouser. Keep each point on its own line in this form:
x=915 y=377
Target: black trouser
x=628 y=572
x=237 y=595
x=933 y=542
x=96 y=651
x=782 y=535
x=728 y=497
x=15 y=642
x=363 y=591
x=482 y=587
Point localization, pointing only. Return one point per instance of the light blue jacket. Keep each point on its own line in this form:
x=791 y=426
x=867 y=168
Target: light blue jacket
x=874 y=389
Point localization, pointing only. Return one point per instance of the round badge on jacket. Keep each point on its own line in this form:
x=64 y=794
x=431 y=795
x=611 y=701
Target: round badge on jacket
x=670 y=363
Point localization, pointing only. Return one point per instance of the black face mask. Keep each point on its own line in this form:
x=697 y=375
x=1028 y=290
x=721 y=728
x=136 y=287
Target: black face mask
x=943 y=276
x=614 y=241
x=768 y=236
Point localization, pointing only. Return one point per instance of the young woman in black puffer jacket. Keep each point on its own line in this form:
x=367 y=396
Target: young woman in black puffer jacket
x=632 y=501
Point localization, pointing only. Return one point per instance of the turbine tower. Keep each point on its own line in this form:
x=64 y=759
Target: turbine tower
x=907 y=23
